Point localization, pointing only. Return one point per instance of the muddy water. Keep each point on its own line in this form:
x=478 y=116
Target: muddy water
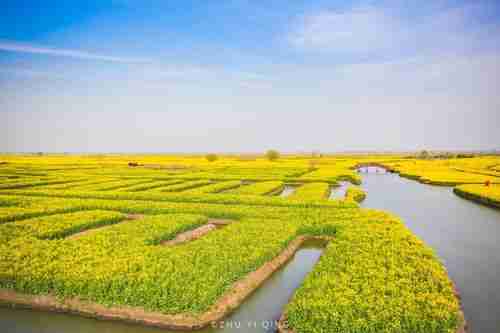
x=465 y=235
x=259 y=313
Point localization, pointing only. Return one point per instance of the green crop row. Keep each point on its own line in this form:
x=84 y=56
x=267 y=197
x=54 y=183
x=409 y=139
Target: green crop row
x=215 y=188
x=21 y=207
x=222 y=198
x=150 y=186
x=184 y=186
x=311 y=191
x=59 y=225
x=78 y=184
x=32 y=183
x=259 y=188
x=112 y=185
x=151 y=230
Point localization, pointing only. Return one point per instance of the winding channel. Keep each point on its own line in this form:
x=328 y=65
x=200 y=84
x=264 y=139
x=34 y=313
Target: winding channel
x=464 y=234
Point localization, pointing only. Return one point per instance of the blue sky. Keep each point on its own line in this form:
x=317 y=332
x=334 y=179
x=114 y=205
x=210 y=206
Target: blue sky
x=238 y=76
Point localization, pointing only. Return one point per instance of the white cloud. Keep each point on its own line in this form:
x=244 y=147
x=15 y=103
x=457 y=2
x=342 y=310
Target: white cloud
x=355 y=30
x=34 y=49
x=381 y=31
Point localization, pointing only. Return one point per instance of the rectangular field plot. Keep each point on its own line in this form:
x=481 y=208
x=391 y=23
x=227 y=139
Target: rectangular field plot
x=32 y=183
x=184 y=186
x=150 y=185
x=215 y=188
x=311 y=191
x=61 y=225
x=259 y=188
x=113 y=185
x=142 y=237
x=148 y=230
x=78 y=184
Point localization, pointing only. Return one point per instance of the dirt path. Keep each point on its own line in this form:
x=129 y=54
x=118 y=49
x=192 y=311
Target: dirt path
x=199 y=232
x=190 y=235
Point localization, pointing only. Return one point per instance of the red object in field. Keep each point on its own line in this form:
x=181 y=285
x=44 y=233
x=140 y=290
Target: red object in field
x=487 y=183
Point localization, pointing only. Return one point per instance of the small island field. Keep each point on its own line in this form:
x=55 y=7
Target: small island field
x=487 y=195
x=180 y=241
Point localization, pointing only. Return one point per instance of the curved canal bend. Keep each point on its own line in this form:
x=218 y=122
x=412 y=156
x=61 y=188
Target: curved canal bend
x=464 y=234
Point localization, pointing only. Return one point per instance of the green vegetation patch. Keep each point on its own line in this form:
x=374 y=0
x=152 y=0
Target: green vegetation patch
x=311 y=191
x=355 y=193
x=375 y=276
x=61 y=225
x=259 y=188
x=488 y=195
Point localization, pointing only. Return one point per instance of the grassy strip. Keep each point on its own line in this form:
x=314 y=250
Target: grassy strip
x=222 y=198
x=213 y=210
x=78 y=184
x=487 y=195
x=9 y=201
x=311 y=191
x=215 y=188
x=59 y=225
x=151 y=230
x=112 y=185
x=260 y=188
x=151 y=186
x=23 y=184
x=185 y=186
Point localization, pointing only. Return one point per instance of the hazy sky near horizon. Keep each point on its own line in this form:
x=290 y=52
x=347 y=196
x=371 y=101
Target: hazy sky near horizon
x=245 y=76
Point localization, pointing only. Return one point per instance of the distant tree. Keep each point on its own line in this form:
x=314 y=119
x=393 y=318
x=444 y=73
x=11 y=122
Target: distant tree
x=313 y=165
x=424 y=154
x=316 y=154
x=211 y=157
x=272 y=155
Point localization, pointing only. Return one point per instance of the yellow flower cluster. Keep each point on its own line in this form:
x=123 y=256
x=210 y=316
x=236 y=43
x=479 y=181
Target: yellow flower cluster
x=374 y=276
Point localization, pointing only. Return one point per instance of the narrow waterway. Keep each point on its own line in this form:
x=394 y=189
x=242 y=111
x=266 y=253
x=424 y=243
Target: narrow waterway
x=258 y=314
x=287 y=190
x=338 y=192
x=464 y=234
